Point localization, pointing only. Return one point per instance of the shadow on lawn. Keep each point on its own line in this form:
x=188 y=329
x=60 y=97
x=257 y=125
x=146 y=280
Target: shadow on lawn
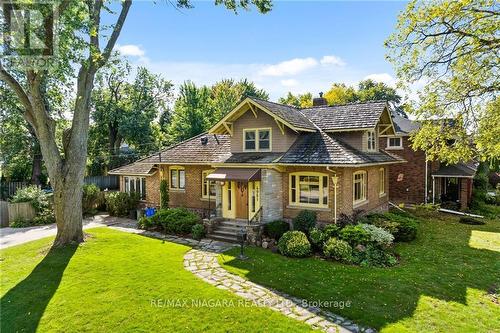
x=440 y=264
x=23 y=305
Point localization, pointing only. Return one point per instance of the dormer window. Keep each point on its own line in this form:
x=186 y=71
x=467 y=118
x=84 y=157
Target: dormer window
x=257 y=139
x=371 y=141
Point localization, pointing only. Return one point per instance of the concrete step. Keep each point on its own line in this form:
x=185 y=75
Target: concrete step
x=230 y=223
x=224 y=233
x=222 y=238
x=232 y=229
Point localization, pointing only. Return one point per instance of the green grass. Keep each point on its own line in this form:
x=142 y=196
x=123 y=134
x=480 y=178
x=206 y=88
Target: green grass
x=444 y=283
x=108 y=283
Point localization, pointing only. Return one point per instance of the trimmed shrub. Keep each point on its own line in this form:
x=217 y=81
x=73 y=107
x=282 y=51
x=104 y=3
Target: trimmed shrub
x=305 y=220
x=34 y=195
x=294 y=244
x=354 y=235
x=145 y=223
x=198 y=231
x=378 y=235
x=470 y=220
x=90 y=198
x=338 y=249
x=276 y=229
x=374 y=256
x=316 y=237
x=176 y=220
x=402 y=225
x=164 y=194
x=120 y=203
x=331 y=230
x=381 y=221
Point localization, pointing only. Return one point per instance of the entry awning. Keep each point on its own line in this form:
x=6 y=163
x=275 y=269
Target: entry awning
x=459 y=170
x=237 y=174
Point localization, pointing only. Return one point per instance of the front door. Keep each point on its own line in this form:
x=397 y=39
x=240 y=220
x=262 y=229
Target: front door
x=241 y=200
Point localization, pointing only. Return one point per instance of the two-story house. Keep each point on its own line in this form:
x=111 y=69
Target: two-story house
x=265 y=161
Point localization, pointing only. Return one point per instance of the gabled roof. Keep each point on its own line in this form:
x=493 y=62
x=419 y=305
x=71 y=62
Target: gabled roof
x=324 y=148
x=404 y=126
x=193 y=151
x=134 y=169
x=348 y=116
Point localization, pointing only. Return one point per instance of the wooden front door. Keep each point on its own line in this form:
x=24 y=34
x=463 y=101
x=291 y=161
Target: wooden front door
x=241 y=200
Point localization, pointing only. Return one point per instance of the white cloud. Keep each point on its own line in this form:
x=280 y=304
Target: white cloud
x=131 y=50
x=382 y=77
x=332 y=60
x=289 y=67
x=289 y=83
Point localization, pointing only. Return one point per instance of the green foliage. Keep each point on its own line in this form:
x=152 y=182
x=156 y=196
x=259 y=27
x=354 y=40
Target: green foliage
x=175 y=220
x=368 y=90
x=198 y=231
x=145 y=223
x=353 y=219
x=164 y=194
x=453 y=46
x=34 y=195
x=300 y=101
x=378 y=236
x=276 y=229
x=355 y=234
x=427 y=207
x=20 y=222
x=374 y=256
x=316 y=237
x=90 y=198
x=471 y=220
x=121 y=203
x=46 y=216
x=331 y=230
x=305 y=220
x=294 y=244
x=338 y=249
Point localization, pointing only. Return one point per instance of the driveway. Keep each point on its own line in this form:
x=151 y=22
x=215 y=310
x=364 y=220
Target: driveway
x=14 y=236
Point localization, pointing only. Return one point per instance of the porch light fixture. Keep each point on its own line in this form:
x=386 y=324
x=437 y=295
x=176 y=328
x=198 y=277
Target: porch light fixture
x=241 y=236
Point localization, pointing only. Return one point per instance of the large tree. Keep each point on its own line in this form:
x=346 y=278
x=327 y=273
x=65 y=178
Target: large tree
x=124 y=111
x=300 y=100
x=80 y=48
x=452 y=47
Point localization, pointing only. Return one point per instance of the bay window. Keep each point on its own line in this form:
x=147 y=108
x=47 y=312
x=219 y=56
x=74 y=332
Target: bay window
x=135 y=184
x=308 y=189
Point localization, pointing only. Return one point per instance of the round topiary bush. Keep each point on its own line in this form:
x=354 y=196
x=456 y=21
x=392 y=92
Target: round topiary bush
x=294 y=244
x=316 y=237
x=331 y=230
x=305 y=221
x=337 y=249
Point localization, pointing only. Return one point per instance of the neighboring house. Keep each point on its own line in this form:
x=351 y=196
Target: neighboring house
x=422 y=181
x=265 y=161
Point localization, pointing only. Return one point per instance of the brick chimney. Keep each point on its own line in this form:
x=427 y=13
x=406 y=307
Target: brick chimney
x=320 y=101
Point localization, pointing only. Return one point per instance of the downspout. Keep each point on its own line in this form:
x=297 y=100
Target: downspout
x=335 y=180
x=433 y=190
x=426 y=178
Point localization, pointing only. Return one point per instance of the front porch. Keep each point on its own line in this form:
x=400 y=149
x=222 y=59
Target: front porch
x=452 y=186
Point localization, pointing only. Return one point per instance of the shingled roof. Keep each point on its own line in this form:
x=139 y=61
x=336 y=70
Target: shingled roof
x=289 y=113
x=347 y=116
x=215 y=150
x=135 y=169
x=404 y=126
x=324 y=148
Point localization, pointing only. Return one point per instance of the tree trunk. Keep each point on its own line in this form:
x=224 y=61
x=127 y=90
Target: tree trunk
x=36 y=169
x=68 y=208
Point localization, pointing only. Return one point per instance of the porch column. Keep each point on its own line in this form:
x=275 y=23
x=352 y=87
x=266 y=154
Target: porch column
x=218 y=199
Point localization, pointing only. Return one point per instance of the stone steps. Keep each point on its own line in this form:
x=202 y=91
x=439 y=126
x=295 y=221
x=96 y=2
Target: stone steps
x=227 y=231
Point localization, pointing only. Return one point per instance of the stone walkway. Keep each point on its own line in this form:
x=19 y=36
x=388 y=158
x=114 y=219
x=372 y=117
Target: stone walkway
x=202 y=262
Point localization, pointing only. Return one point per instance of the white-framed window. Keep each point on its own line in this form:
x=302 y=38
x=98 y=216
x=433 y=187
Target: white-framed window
x=371 y=141
x=207 y=186
x=308 y=189
x=394 y=142
x=177 y=178
x=135 y=184
x=359 y=187
x=257 y=139
x=381 y=181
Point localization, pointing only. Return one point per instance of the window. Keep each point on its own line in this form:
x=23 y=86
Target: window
x=177 y=178
x=136 y=184
x=371 y=141
x=359 y=187
x=394 y=142
x=381 y=181
x=308 y=189
x=208 y=186
x=257 y=139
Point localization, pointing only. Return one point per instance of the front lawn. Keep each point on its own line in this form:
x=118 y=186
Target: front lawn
x=119 y=282
x=448 y=280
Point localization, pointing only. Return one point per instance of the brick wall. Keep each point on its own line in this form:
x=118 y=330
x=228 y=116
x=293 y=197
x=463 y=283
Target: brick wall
x=407 y=180
x=344 y=192
x=153 y=189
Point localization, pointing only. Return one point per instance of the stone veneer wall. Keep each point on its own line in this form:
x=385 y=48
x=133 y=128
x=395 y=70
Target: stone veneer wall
x=271 y=195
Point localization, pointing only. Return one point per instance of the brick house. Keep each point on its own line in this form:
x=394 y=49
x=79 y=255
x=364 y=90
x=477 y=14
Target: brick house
x=422 y=181
x=265 y=161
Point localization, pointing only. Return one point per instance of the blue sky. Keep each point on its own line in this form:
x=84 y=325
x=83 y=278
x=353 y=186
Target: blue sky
x=298 y=46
